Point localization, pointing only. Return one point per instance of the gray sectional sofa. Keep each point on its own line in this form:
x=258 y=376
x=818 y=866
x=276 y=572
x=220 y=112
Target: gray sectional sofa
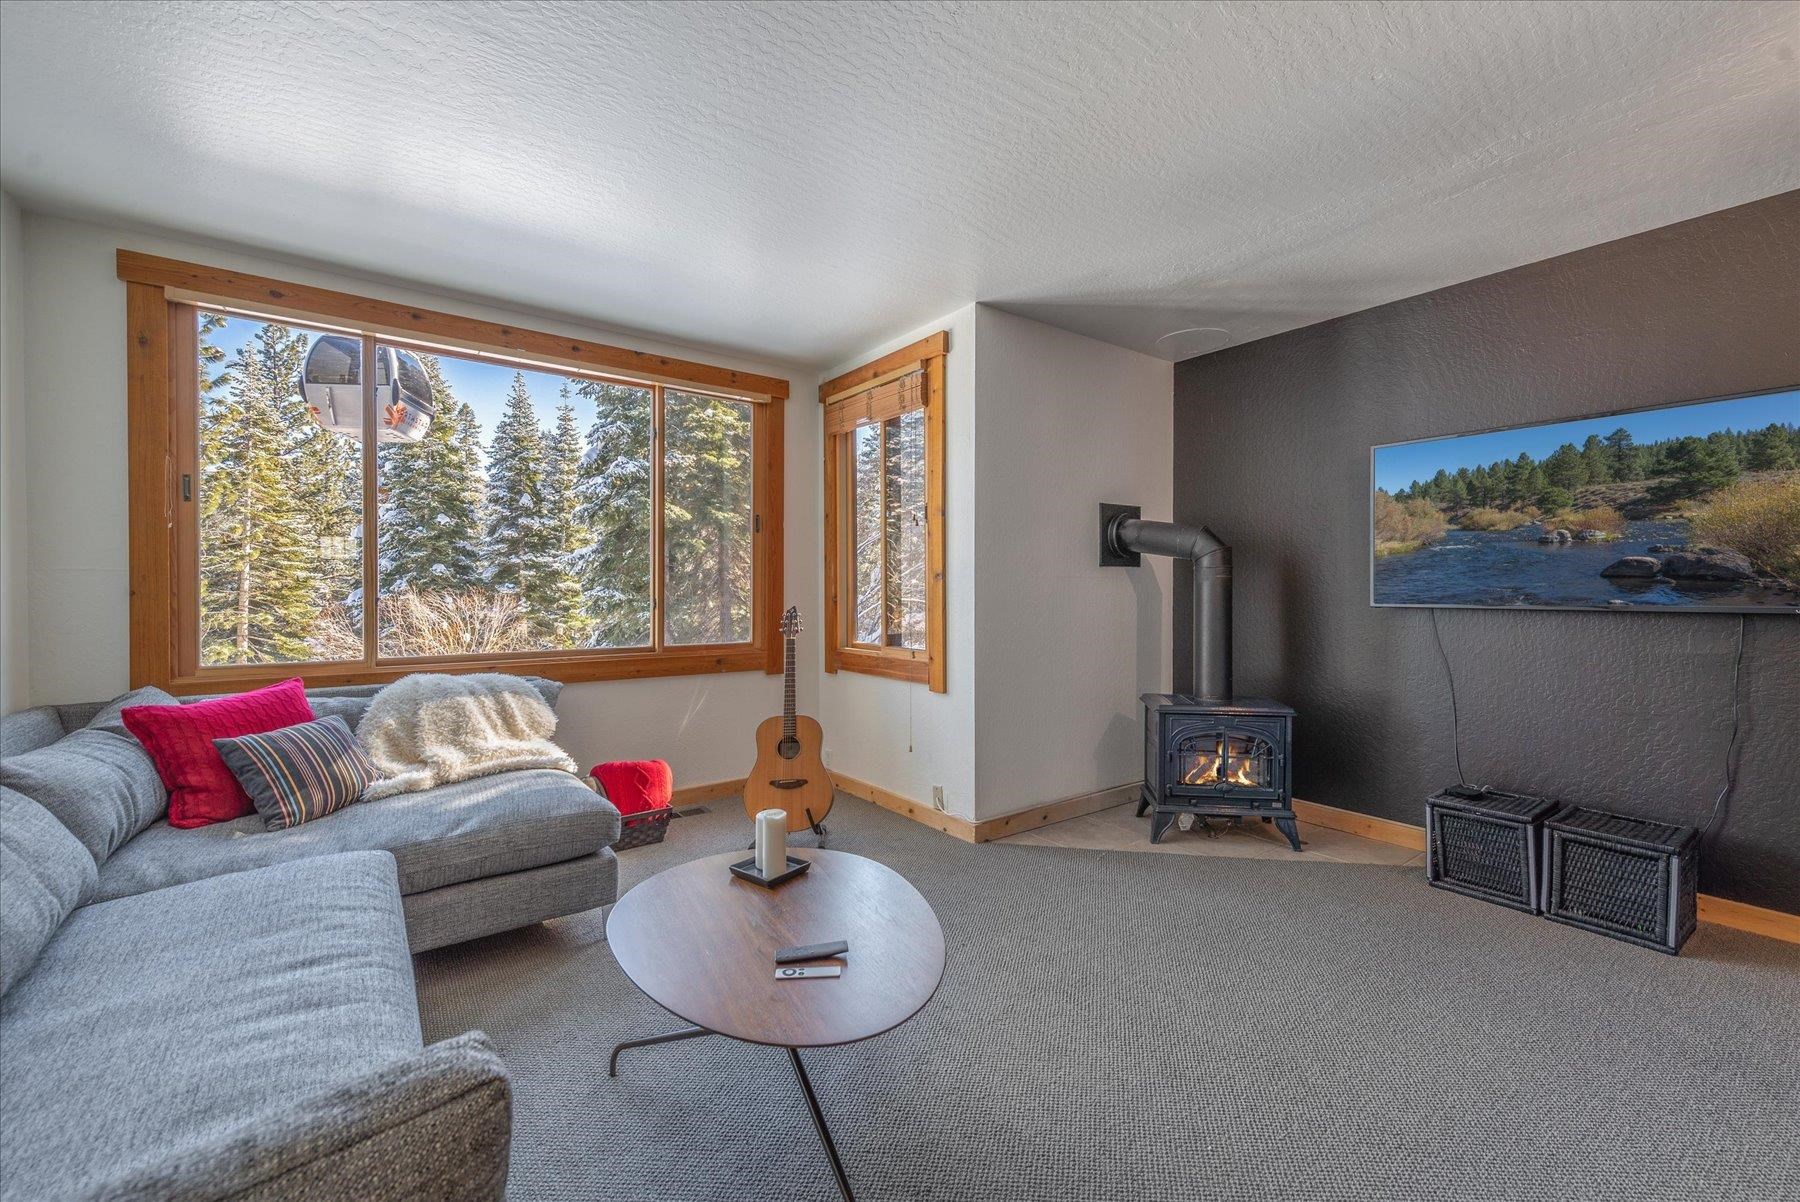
x=228 y=1012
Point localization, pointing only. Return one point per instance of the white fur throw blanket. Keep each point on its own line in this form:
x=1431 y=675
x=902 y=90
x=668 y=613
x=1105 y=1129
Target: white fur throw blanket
x=426 y=730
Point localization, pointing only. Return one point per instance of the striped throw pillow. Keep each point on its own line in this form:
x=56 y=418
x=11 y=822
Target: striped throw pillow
x=299 y=773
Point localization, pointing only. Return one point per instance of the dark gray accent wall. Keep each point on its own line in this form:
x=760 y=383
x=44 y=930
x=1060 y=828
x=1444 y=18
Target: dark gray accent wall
x=1629 y=712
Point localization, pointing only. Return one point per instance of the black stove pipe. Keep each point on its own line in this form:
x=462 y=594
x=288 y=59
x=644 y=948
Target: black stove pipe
x=1123 y=534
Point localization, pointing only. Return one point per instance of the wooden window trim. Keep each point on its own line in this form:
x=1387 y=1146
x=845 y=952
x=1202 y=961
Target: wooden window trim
x=923 y=666
x=163 y=532
x=449 y=331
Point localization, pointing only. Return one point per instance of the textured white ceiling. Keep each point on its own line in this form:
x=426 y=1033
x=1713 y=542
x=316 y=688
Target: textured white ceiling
x=805 y=179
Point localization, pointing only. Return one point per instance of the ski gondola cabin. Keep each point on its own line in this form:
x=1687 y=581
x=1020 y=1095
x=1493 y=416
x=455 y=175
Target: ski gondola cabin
x=333 y=383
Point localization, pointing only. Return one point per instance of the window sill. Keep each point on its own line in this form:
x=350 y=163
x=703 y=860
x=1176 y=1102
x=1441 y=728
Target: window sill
x=911 y=666
x=567 y=668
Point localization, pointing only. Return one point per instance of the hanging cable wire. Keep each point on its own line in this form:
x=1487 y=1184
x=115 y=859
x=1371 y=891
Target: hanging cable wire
x=1455 y=718
x=1737 y=676
x=1737 y=679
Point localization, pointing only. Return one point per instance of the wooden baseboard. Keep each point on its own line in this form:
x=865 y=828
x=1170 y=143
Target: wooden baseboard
x=887 y=799
x=1743 y=916
x=950 y=824
x=988 y=828
x=1721 y=911
x=694 y=795
x=1382 y=830
x=1056 y=811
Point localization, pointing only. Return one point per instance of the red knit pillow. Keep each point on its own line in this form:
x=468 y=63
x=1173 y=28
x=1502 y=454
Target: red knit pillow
x=634 y=786
x=179 y=739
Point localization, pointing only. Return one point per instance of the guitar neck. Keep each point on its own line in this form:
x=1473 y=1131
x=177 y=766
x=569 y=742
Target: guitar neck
x=787 y=700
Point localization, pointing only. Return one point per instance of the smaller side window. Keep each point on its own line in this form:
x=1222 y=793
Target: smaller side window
x=884 y=425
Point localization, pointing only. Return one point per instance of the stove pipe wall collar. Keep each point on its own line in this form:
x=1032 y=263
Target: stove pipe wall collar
x=1124 y=536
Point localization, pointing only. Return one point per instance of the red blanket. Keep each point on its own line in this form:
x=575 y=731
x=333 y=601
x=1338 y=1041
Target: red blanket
x=636 y=785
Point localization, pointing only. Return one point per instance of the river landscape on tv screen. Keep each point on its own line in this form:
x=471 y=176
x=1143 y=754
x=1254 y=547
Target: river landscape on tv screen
x=1693 y=506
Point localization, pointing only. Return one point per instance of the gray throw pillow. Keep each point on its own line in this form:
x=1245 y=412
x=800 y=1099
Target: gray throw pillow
x=108 y=717
x=44 y=874
x=102 y=786
x=301 y=772
x=350 y=709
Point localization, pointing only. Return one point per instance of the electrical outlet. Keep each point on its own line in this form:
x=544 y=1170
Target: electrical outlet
x=825 y=756
x=937 y=796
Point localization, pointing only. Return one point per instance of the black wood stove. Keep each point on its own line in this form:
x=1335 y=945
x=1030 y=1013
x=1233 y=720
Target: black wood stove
x=1217 y=759
x=1205 y=753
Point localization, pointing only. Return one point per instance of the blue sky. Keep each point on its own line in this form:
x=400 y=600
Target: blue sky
x=483 y=385
x=1397 y=467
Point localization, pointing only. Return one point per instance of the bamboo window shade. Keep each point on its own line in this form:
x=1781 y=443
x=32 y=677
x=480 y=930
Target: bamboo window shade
x=892 y=395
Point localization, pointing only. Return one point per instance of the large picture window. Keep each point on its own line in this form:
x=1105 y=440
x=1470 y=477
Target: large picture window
x=884 y=550
x=359 y=490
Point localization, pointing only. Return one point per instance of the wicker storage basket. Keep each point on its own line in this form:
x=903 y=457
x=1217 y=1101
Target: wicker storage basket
x=639 y=829
x=1485 y=843
x=642 y=828
x=1622 y=876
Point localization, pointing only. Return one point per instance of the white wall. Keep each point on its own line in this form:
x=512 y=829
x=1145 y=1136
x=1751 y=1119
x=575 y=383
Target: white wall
x=15 y=640
x=1048 y=652
x=893 y=733
x=75 y=429
x=1064 y=646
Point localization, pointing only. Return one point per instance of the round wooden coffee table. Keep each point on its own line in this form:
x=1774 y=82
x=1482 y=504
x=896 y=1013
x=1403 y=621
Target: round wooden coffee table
x=701 y=944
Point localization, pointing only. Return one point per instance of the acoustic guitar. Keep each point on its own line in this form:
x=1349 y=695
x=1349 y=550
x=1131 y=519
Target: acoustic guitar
x=789 y=774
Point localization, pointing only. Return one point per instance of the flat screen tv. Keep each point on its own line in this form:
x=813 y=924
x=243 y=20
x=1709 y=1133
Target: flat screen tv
x=1694 y=506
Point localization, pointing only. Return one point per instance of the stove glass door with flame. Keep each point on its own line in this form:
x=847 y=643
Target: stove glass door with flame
x=1223 y=761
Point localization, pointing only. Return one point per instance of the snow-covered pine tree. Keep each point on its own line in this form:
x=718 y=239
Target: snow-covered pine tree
x=467 y=441
x=522 y=543
x=212 y=372
x=903 y=480
x=613 y=510
x=866 y=533
x=326 y=473
x=431 y=521
x=888 y=462
x=260 y=580
x=707 y=508
x=562 y=480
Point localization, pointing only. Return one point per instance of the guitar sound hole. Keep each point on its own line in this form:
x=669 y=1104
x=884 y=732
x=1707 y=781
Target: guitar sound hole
x=788 y=748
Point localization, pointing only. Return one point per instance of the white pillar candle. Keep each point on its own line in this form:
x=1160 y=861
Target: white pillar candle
x=771 y=842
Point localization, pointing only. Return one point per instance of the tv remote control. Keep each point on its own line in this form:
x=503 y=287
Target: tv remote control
x=792 y=973
x=811 y=951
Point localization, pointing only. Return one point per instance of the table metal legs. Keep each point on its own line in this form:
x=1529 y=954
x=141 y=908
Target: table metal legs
x=818 y=1117
x=612 y=1064
x=812 y=1101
